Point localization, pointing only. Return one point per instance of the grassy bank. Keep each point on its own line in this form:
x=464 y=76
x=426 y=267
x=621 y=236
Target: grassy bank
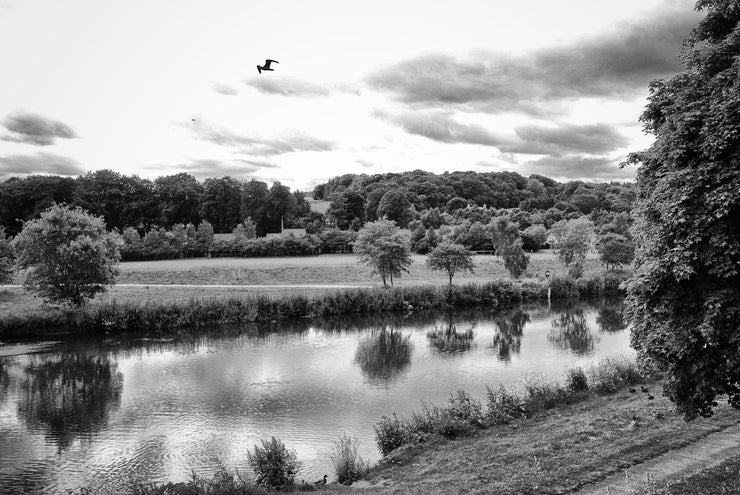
x=167 y=318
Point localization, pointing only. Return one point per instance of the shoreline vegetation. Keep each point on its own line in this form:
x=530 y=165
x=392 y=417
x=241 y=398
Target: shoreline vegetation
x=170 y=318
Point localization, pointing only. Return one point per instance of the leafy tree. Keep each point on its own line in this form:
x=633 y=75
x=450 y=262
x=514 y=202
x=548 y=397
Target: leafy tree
x=204 y=237
x=572 y=239
x=7 y=258
x=382 y=247
x=684 y=300
x=245 y=230
x=24 y=199
x=504 y=234
x=69 y=255
x=346 y=207
x=515 y=259
x=273 y=464
x=534 y=237
x=255 y=197
x=615 y=250
x=179 y=198
x=281 y=207
x=221 y=203
x=132 y=244
x=395 y=206
x=450 y=257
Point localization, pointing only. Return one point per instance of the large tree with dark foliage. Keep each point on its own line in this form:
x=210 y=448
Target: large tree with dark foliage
x=179 y=198
x=24 y=199
x=121 y=200
x=684 y=301
x=221 y=203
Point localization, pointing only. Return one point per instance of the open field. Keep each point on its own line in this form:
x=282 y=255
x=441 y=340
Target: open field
x=324 y=269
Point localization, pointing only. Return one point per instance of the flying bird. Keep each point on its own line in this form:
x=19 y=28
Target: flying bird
x=268 y=62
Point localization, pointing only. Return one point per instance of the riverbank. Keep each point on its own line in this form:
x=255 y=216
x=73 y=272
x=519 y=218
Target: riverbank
x=562 y=450
x=145 y=317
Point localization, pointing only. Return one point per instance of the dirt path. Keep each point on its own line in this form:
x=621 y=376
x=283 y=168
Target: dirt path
x=676 y=464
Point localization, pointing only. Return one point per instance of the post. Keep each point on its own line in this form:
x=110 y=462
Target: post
x=547 y=277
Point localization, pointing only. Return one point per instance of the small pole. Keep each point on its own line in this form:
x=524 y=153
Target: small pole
x=547 y=277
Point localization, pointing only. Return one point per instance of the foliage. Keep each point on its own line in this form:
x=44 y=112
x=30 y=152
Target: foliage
x=221 y=203
x=572 y=239
x=381 y=246
x=503 y=406
x=395 y=206
x=684 y=301
x=515 y=260
x=7 y=258
x=69 y=255
x=390 y=433
x=534 y=237
x=273 y=464
x=451 y=258
x=349 y=466
x=505 y=234
x=346 y=207
x=245 y=230
x=576 y=380
x=615 y=250
x=223 y=482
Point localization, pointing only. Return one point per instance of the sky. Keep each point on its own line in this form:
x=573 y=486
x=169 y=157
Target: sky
x=156 y=88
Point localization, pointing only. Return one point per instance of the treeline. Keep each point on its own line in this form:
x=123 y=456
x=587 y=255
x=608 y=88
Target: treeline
x=130 y=201
x=356 y=199
x=160 y=218
x=189 y=241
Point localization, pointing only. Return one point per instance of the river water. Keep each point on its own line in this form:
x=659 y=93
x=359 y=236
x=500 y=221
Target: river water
x=110 y=412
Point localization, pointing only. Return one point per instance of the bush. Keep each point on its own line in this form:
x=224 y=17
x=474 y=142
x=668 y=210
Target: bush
x=612 y=373
x=463 y=407
x=503 y=406
x=273 y=464
x=390 y=433
x=542 y=395
x=348 y=465
x=576 y=380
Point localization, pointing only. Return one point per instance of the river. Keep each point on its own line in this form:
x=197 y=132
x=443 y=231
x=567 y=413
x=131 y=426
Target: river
x=107 y=412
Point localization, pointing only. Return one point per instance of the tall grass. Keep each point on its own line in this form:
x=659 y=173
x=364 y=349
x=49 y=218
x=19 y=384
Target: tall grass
x=112 y=317
x=463 y=414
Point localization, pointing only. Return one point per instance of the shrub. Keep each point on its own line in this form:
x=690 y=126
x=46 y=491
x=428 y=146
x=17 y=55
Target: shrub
x=273 y=464
x=503 y=406
x=463 y=407
x=349 y=466
x=390 y=433
x=576 y=380
x=612 y=373
x=542 y=395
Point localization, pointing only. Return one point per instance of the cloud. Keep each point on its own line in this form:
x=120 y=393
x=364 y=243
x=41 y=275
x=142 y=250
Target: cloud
x=287 y=86
x=439 y=125
x=619 y=63
x=225 y=89
x=579 y=167
x=286 y=143
x=40 y=163
x=206 y=167
x=566 y=138
x=34 y=129
x=365 y=163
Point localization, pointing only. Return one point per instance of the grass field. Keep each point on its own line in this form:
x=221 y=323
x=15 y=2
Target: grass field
x=325 y=269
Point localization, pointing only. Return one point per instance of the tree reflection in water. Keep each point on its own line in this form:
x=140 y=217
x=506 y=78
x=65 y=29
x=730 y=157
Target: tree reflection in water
x=446 y=339
x=610 y=317
x=508 y=338
x=70 y=395
x=570 y=330
x=384 y=355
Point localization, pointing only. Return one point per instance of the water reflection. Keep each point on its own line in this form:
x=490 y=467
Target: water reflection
x=510 y=329
x=384 y=355
x=610 y=316
x=68 y=396
x=570 y=330
x=446 y=339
